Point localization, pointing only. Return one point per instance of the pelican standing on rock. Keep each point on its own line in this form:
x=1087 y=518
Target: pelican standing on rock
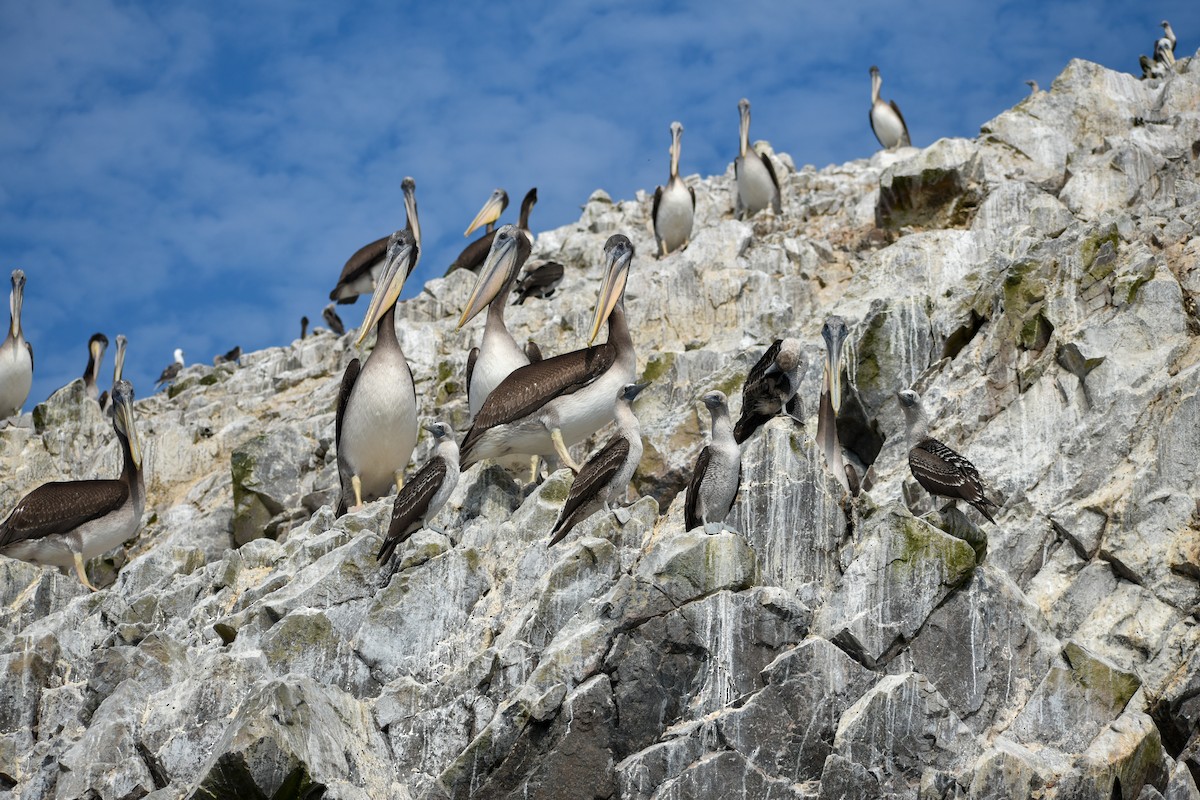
x=376 y=426
x=171 y=370
x=544 y=407
x=772 y=386
x=674 y=205
x=757 y=185
x=423 y=497
x=16 y=354
x=362 y=269
x=66 y=523
x=718 y=474
x=834 y=332
x=886 y=120
x=474 y=254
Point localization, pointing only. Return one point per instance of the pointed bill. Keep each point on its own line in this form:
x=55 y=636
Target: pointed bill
x=15 y=300
x=409 y=186
x=834 y=332
x=490 y=212
x=401 y=255
x=617 y=273
x=494 y=274
x=122 y=397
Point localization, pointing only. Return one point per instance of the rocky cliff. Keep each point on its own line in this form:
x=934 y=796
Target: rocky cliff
x=246 y=644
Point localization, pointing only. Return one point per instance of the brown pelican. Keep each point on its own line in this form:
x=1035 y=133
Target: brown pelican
x=1164 y=53
x=362 y=270
x=423 y=497
x=757 y=185
x=376 y=427
x=303 y=327
x=333 y=320
x=542 y=408
x=91 y=373
x=66 y=523
x=936 y=467
x=606 y=475
x=476 y=252
x=16 y=354
x=834 y=333
x=171 y=370
x=886 y=120
x=1033 y=86
x=490 y=212
x=718 y=474
x=1169 y=37
x=498 y=353
x=772 y=386
x=118 y=368
x=674 y=205
x=540 y=281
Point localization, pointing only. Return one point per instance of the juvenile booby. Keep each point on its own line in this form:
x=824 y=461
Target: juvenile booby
x=544 y=407
x=66 y=523
x=362 y=269
x=674 y=205
x=772 y=386
x=498 y=353
x=91 y=373
x=834 y=333
x=303 y=328
x=16 y=354
x=886 y=120
x=171 y=370
x=424 y=495
x=540 y=281
x=936 y=467
x=757 y=185
x=718 y=473
x=118 y=368
x=474 y=254
x=490 y=212
x=376 y=427
x=605 y=476
x=333 y=320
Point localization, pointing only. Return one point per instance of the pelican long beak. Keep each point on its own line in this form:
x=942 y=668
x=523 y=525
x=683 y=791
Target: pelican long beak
x=499 y=268
x=676 y=135
x=744 y=126
x=119 y=358
x=613 y=289
x=490 y=212
x=834 y=337
x=401 y=255
x=123 y=415
x=410 y=209
x=96 y=348
x=15 y=301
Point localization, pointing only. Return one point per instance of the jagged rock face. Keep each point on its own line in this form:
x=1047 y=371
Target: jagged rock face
x=247 y=643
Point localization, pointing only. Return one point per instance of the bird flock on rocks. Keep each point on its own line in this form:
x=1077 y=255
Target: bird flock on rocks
x=524 y=407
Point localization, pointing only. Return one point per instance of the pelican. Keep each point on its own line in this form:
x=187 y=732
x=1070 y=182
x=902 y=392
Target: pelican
x=376 y=427
x=834 y=333
x=362 y=269
x=16 y=354
x=772 y=386
x=91 y=373
x=886 y=120
x=541 y=408
x=476 y=252
x=1033 y=87
x=1164 y=52
x=423 y=497
x=540 y=281
x=303 y=328
x=718 y=474
x=757 y=185
x=66 y=523
x=118 y=368
x=333 y=320
x=171 y=370
x=674 y=205
x=940 y=470
x=490 y=212
x=606 y=475
x=1168 y=37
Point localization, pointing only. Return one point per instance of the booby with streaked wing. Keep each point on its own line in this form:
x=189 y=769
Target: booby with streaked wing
x=757 y=184
x=540 y=281
x=361 y=271
x=887 y=122
x=718 y=473
x=424 y=495
x=474 y=254
x=771 y=387
x=16 y=354
x=674 y=204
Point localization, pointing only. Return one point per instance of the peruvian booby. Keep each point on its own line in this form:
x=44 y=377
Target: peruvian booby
x=474 y=254
x=771 y=386
x=91 y=373
x=66 y=523
x=605 y=476
x=424 y=495
x=886 y=120
x=376 y=426
x=940 y=470
x=333 y=320
x=498 y=353
x=490 y=212
x=718 y=473
x=118 y=369
x=362 y=269
x=171 y=370
x=542 y=408
x=757 y=185
x=834 y=333
x=232 y=356
x=674 y=205
x=16 y=354
x=303 y=328
x=540 y=281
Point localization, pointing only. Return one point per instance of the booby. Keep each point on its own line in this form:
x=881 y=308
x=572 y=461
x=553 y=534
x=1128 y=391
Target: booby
x=424 y=495
x=118 y=368
x=757 y=185
x=171 y=370
x=490 y=212
x=772 y=386
x=540 y=281
x=886 y=120
x=476 y=252
x=376 y=426
x=333 y=320
x=16 y=354
x=674 y=205
x=303 y=328
x=940 y=470
x=604 y=478
x=66 y=523
x=718 y=473
x=498 y=353
x=91 y=373
x=362 y=269
x=544 y=407
x=233 y=356
x=834 y=333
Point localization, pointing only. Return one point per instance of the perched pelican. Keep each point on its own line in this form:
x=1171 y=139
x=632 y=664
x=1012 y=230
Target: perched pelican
x=234 y=356
x=476 y=252
x=1168 y=37
x=834 y=333
x=674 y=205
x=91 y=373
x=886 y=120
x=718 y=474
x=362 y=270
x=1164 y=53
x=171 y=370
x=1150 y=67
x=542 y=408
x=66 y=523
x=936 y=467
x=118 y=368
x=423 y=497
x=490 y=212
x=757 y=185
x=772 y=386
x=333 y=320
x=376 y=426
x=606 y=475
x=303 y=327
x=1033 y=86
x=540 y=281
x=16 y=354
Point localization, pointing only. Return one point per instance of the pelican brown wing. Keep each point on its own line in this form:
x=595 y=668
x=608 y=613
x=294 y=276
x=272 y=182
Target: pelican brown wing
x=61 y=507
x=363 y=260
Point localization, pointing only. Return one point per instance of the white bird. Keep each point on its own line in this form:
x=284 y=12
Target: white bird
x=757 y=185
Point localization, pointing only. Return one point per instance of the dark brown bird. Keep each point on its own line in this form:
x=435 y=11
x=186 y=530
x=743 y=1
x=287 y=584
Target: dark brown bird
x=540 y=281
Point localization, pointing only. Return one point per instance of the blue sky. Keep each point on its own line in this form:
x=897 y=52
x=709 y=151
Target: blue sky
x=195 y=175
